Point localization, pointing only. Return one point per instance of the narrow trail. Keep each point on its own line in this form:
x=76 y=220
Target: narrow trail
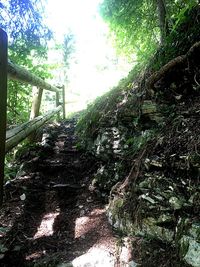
x=52 y=214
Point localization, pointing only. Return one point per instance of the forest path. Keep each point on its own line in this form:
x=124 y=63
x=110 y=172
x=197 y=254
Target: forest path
x=52 y=215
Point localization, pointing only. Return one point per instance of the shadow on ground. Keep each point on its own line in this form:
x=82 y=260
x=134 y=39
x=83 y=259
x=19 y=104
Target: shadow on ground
x=49 y=211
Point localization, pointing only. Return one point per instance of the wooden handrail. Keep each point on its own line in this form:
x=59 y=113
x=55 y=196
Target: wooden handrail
x=19 y=133
x=19 y=73
x=13 y=137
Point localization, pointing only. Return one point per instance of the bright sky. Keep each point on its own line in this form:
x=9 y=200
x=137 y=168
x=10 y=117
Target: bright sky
x=94 y=71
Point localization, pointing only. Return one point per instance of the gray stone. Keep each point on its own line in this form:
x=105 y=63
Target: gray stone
x=176 y=203
x=132 y=264
x=65 y=265
x=148 y=226
x=147 y=198
x=191 y=250
x=194 y=231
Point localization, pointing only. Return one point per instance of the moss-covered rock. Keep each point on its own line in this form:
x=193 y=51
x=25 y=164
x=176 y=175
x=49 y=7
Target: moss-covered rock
x=189 y=245
x=148 y=227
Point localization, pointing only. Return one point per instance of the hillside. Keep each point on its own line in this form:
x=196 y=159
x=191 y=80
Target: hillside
x=145 y=133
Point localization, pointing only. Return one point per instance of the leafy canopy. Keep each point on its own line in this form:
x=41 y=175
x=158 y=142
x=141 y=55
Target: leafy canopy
x=68 y=50
x=23 y=22
x=28 y=38
x=135 y=25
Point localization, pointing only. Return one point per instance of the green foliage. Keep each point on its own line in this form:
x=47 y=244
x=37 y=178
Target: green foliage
x=178 y=42
x=23 y=20
x=68 y=50
x=18 y=103
x=11 y=168
x=100 y=109
x=134 y=25
x=137 y=142
x=184 y=33
x=106 y=107
x=19 y=94
x=14 y=158
x=28 y=37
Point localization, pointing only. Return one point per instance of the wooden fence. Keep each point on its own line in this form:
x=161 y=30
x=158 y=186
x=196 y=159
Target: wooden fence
x=11 y=138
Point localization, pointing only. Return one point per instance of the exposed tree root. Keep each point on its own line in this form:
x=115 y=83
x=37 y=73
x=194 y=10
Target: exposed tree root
x=156 y=76
x=121 y=187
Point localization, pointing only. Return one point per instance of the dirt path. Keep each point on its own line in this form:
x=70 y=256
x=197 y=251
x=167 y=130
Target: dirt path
x=51 y=214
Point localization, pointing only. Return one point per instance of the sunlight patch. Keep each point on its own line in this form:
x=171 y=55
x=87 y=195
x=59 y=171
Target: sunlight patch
x=46 y=226
x=85 y=224
x=95 y=257
x=34 y=256
x=80 y=226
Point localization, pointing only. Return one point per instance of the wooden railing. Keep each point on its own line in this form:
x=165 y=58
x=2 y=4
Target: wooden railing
x=11 y=138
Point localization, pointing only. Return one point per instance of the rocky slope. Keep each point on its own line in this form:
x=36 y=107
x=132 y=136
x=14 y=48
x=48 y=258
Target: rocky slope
x=147 y=137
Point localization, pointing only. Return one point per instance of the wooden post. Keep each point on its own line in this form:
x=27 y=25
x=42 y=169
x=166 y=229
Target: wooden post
x=58 y=102
x=37 y=97
x=57 y=99
x=63 y=96
x=3 y=104
x=35 y=109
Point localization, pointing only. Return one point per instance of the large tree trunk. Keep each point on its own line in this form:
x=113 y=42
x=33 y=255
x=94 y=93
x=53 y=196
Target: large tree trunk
x=163 y=23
